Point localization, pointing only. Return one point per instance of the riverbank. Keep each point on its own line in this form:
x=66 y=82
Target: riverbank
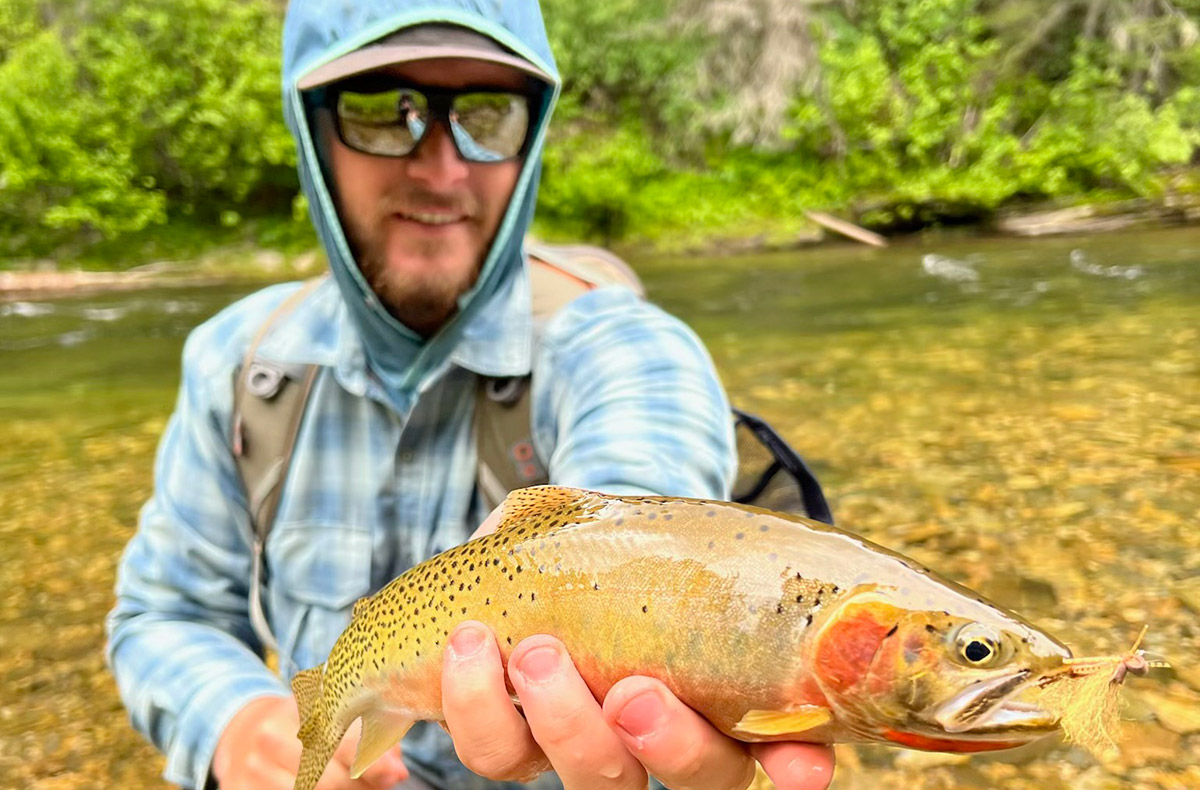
x=244 y=261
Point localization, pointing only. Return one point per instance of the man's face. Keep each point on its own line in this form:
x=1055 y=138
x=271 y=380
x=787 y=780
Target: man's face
x=421 y=225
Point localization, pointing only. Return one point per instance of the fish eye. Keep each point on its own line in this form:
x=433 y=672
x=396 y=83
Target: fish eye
x=979 y=646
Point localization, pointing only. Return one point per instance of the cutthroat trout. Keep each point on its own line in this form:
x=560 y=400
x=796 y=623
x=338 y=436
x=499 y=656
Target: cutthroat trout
x=771 y=626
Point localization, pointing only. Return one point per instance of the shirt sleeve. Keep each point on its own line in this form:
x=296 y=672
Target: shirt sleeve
x=626 y=400
x=179 y=638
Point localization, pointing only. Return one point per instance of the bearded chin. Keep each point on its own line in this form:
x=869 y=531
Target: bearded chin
x=422 y=301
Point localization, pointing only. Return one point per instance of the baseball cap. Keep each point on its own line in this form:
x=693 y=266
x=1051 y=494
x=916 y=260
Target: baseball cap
x=422 y=42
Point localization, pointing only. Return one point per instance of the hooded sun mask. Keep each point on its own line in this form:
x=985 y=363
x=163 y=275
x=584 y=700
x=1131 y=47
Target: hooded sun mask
x=325 y=41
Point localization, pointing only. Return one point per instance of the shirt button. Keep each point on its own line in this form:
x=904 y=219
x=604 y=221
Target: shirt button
x=406 y=457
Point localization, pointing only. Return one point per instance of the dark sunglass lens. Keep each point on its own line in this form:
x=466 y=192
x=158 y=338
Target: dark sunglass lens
x=386 y=123
x=489 y=127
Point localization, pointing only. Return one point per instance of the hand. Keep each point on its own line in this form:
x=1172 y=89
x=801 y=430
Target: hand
x=259 y=750
x=640 y=728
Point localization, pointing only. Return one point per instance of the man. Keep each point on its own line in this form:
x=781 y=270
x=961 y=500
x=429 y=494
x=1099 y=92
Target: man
x=419 y=131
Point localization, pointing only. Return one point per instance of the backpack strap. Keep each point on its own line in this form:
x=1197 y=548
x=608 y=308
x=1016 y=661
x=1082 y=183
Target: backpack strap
x=503 y=431
x=267 y=412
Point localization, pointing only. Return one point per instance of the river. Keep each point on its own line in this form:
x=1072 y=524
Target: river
x=1022 y=415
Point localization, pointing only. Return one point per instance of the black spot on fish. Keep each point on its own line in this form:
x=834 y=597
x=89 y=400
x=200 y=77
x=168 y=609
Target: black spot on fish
x=532 y=596
x=800 y=598
x=509 y=639
x=645 y=609
x=895 y=628
x=504 y=613
x=930 y=629
x=808 y=619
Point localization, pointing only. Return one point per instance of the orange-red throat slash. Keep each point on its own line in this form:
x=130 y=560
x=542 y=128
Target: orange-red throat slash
x=914 y=741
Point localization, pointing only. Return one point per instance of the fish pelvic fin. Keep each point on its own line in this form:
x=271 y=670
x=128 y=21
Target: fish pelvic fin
x=381 y=730
x=780 y=722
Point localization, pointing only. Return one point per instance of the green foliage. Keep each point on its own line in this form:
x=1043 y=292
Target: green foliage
x=117 y=115
x=125 y=113
x=63 y=168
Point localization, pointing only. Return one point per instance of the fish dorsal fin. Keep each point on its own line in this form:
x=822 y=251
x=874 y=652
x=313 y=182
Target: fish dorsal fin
x=781 y=722
x=360 y=606
x=546 y=507
x=380 y=732
x=306 y=686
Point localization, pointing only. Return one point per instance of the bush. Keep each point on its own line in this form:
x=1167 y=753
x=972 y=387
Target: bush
x=125 y=113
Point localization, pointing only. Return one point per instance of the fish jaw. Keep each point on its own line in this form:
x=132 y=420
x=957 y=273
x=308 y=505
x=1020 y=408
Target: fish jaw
x=1002 y=707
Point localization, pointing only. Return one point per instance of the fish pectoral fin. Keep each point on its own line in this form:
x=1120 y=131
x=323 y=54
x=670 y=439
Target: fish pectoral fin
x=783 y=722
x=380 y=732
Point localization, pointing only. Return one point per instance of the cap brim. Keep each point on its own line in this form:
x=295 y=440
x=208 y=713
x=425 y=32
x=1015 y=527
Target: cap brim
x=377 y=57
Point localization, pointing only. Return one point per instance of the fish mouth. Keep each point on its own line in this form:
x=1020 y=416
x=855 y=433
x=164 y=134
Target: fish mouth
x=1001 y=707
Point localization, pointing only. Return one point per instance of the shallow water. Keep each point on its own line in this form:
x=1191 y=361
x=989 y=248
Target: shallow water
x=1020 y=415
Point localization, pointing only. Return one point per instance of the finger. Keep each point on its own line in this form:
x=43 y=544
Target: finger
x=566 y=720
x=490 y=736
x=264 y=773
x=796 y=766
x=676 y=744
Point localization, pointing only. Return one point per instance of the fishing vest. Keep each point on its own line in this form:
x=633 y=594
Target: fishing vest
x=269 y=402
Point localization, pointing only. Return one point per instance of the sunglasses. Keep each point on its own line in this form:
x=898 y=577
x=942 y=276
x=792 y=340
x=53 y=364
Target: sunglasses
x=382 y=118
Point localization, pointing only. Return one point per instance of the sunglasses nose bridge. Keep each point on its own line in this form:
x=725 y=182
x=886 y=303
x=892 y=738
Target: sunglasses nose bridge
x=436 y=156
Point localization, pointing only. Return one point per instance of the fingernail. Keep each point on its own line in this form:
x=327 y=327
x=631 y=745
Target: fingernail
x=806 y=773
x=540 y=664
x=643 y=715
x=466 y=641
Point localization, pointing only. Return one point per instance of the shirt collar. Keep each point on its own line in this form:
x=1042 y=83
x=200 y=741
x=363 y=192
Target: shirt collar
x=497 y=342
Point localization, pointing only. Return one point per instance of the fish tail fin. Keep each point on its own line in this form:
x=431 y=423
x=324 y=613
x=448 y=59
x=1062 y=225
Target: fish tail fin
x=317 y=730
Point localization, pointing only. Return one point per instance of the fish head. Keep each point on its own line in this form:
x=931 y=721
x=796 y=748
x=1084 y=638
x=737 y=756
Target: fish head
x=960 y=680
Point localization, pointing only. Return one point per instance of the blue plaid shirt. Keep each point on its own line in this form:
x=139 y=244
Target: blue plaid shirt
x=625 y=400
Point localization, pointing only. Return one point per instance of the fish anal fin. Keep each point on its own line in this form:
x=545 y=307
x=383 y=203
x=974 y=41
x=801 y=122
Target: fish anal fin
x=783 y=722
x=380 y=732
x=306 y=686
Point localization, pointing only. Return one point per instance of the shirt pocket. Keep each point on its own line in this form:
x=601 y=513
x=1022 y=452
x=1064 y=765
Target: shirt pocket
x=317 y=572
